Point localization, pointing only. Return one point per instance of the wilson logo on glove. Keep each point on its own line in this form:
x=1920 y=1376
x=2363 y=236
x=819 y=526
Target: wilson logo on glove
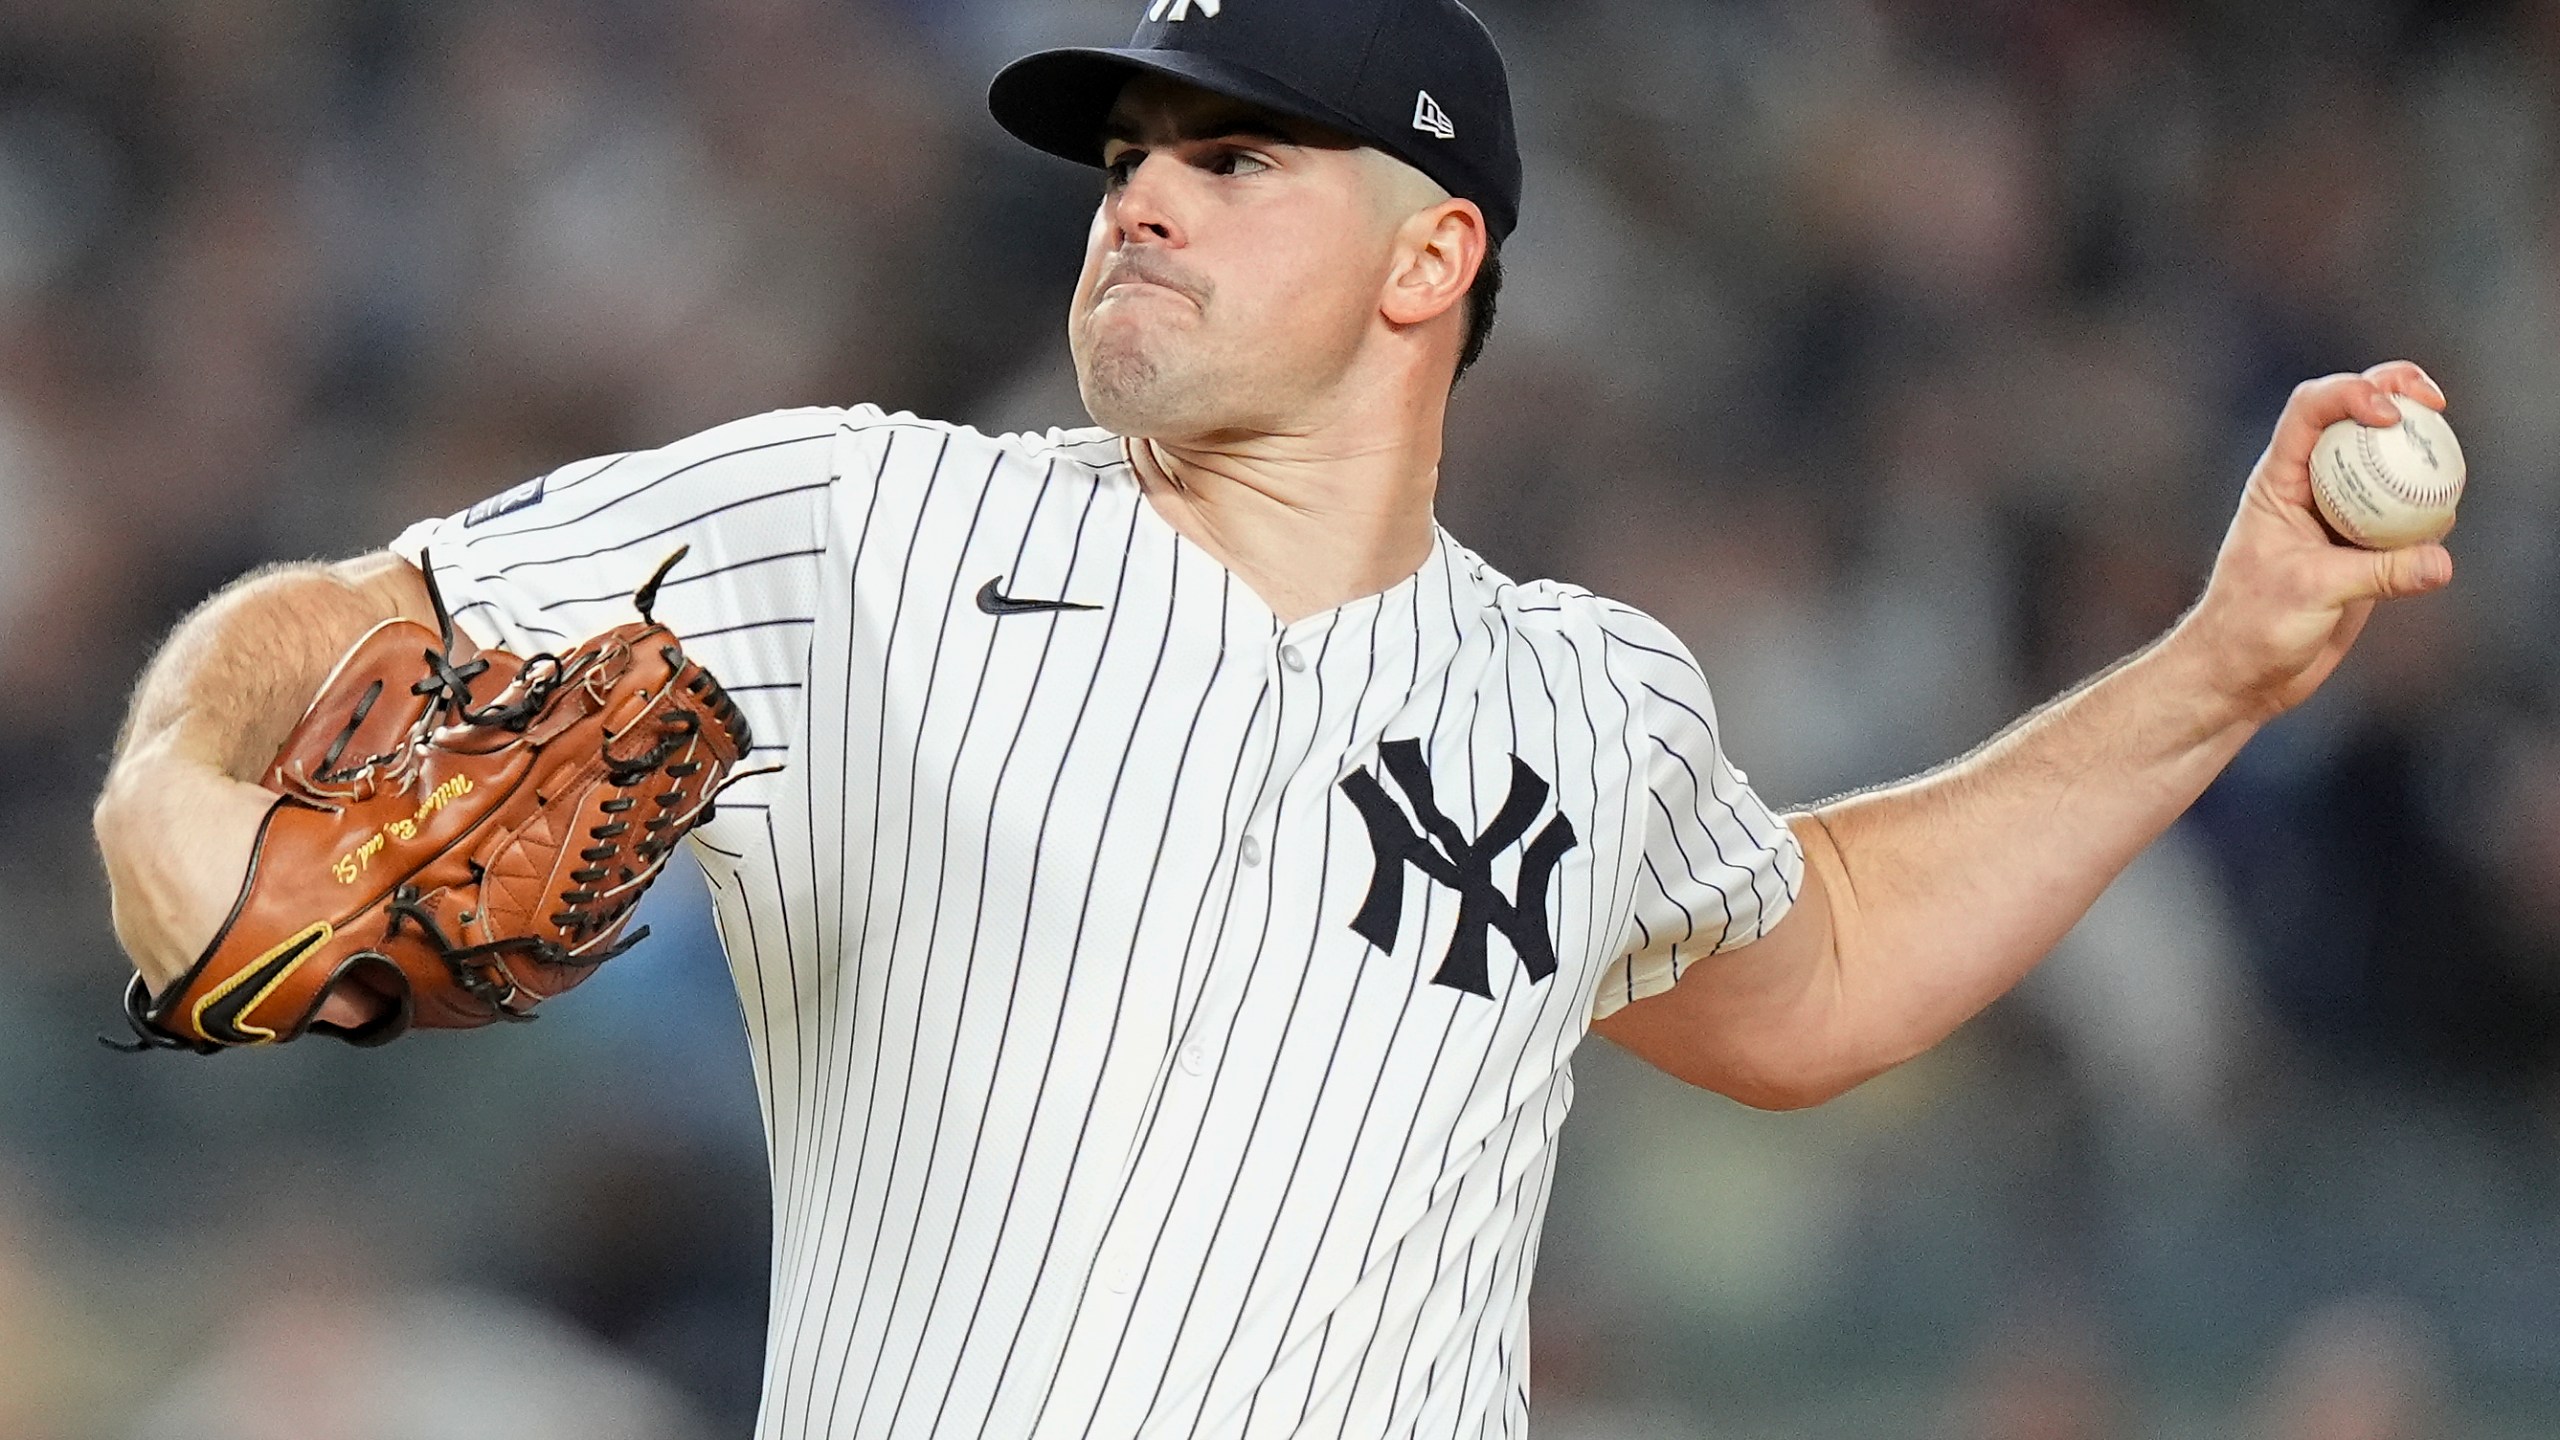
x=479 y=858
x=351 y=866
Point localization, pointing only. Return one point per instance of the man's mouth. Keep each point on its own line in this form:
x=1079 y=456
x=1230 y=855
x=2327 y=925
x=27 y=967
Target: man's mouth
x=1130 y=275
x=1133 y=285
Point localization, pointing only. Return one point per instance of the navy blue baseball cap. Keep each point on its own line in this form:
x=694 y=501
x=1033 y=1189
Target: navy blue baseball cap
x=1419 y=79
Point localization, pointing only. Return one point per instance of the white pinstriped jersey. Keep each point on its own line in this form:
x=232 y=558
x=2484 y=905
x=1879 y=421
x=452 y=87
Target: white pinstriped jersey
x=1161 y=1013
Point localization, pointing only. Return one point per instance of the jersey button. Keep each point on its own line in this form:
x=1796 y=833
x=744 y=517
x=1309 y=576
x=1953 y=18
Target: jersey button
x=1195 y=1058
x=1250 y=851
x=1120 y=1270
x=1290 y=657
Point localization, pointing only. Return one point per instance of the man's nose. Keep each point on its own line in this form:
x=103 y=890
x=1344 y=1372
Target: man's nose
x=1143 y=209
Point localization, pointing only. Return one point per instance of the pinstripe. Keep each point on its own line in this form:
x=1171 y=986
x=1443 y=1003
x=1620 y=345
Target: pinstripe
x=1226 y=912
x=1227 y=585
x=491 y=605
x=546 y=561
x=604 y=464
x=1627 y=742
x=1494 y=637
x=1413 y=1128
x=795 y=1201
x=1049 y=1052
x=1155 y=1100
x=968 y=727
x=973 y=949
x=762 y=1049
x=1700 y=791
x=810 y=1112
x=790 y=950
x=1707 y=788
x=1333 y=1056
x=1199 y=912
x=1558 y=1089
x=499 y=530
x=897 y=1153
x=1297 y=1148
x=1128 y=970
x=1334 y=1211
x=1511 y=1131
x=839 y=1090
x=682 y=578
x=1680 y=846
x=898 y=918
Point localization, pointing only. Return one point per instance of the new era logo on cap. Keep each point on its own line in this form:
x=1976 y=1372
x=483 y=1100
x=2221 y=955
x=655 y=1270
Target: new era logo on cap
x=1180 y=9
x=1430 y=119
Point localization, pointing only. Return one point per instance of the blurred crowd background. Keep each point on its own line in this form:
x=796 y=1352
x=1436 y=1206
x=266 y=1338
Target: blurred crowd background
x=1905 y=356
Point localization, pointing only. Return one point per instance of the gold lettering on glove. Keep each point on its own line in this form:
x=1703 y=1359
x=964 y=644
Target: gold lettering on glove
x=350 y=867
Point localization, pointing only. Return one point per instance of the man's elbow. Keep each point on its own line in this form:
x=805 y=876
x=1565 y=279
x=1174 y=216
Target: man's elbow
x=389 y=585
x=1784 y=1092
x=1802 y=1094
x=1785 y=1079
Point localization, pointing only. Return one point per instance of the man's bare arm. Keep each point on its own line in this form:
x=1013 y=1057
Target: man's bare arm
x=180 y=809
x=1927 y=900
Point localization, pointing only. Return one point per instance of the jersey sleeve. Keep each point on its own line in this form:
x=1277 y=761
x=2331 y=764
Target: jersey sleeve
x=553 y=561
x=1718 y=869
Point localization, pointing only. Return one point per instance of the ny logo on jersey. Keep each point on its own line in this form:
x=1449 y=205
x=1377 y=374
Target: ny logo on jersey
x=1180 y=9
x=1463 y=865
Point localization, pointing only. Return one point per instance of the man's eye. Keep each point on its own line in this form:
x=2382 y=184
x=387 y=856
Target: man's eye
x=1237 y=162
x=1121 y=166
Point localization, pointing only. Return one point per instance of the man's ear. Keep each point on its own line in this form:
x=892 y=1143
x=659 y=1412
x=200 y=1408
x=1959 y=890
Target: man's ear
x=1438 y=252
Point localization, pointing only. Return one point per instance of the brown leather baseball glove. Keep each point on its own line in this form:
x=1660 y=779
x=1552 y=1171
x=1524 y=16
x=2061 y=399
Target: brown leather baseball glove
x=467 y=858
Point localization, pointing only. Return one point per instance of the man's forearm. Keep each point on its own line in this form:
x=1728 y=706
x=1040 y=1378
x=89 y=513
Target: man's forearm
x=1945 y=890
x=1923 y=901
x=234 y=676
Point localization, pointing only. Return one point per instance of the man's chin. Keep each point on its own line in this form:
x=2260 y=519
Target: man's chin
x=1128 y=395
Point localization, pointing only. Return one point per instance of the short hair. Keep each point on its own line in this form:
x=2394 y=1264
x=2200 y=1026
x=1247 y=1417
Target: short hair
x=1483 y=298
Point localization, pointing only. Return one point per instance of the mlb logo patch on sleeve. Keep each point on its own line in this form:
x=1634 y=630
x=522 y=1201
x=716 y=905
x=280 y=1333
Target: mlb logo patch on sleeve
x=505 y=503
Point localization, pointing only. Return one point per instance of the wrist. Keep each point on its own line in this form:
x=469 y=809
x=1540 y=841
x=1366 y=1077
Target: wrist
x=2214 y=695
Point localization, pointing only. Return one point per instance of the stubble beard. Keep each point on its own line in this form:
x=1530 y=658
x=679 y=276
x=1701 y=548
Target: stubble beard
x=1130 y=390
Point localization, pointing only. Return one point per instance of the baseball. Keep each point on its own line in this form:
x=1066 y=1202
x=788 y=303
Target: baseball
x=2383 y=488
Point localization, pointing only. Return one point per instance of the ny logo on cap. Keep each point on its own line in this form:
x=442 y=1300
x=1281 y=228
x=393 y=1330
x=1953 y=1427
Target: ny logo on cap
x=1179 y=9
x=1430 y=119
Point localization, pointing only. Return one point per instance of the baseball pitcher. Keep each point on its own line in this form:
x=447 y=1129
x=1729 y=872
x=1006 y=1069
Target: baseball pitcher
x=1166 y=876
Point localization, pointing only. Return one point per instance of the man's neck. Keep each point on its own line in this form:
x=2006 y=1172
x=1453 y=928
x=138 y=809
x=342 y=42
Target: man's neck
x=1307 y=526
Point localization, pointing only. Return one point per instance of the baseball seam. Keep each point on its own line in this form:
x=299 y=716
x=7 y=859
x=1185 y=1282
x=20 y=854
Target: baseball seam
x=2389 y=479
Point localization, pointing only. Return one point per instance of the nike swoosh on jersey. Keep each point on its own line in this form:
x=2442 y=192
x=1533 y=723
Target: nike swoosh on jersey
x=993 y=601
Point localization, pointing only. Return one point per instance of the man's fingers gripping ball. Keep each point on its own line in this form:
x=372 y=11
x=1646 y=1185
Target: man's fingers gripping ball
x=453 y=843
x=2387 y=486
x=2367 y=460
